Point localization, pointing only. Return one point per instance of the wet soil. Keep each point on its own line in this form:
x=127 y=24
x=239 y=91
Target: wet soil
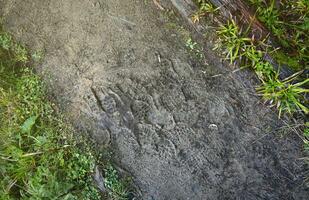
x=129 y=82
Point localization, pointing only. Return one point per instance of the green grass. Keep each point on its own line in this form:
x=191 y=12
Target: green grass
x=117 y=190
x=289 y=23
x=40 y=155
x=234 y=40
x=205 y=8
x=285 y=95
x=238 y=47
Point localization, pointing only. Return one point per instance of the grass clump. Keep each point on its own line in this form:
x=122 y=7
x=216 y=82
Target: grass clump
x=117 y=190
x=238 y=47
x=284 y=94
x=39 y=157
x=205 y=8
x=234 y=40
x=194 y=48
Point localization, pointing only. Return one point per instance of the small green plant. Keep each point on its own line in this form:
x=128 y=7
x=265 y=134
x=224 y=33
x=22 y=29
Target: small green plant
x=5 y=41
x=234 y=41
x=264 y=70
x=194 y=48
x=20 y=53
x=205 y=8
x=285 y=95
x=37 y=56
x=190 y=44
x=270 y=16
x=117 y=189
x=302 y=7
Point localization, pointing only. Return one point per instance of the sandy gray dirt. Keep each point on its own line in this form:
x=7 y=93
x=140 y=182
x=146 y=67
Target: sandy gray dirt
x=130 y=83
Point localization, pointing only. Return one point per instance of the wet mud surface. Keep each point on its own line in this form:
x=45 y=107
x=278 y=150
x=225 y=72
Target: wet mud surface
x=130 y=84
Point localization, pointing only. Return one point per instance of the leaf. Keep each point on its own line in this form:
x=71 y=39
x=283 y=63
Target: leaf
x=28 y=124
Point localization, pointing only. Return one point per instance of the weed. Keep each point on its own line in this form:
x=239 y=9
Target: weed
x=37 y=56
x=270 y=16
x=5 y=41
x=239 y=47
x=285 y=95
x=116 y=189
x=302 y=6
x=205 y=8
x=20 y=53
x=194 y=48
x=234 y=41
x=264 y=70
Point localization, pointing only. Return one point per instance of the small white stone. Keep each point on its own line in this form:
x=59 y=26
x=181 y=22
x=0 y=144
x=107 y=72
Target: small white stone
x=213 y=127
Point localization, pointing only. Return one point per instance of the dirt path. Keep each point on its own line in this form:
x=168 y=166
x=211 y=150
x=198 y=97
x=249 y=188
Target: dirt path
x=129 y=83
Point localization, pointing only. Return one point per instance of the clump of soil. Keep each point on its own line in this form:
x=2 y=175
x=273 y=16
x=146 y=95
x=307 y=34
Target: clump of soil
x=131 y=85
